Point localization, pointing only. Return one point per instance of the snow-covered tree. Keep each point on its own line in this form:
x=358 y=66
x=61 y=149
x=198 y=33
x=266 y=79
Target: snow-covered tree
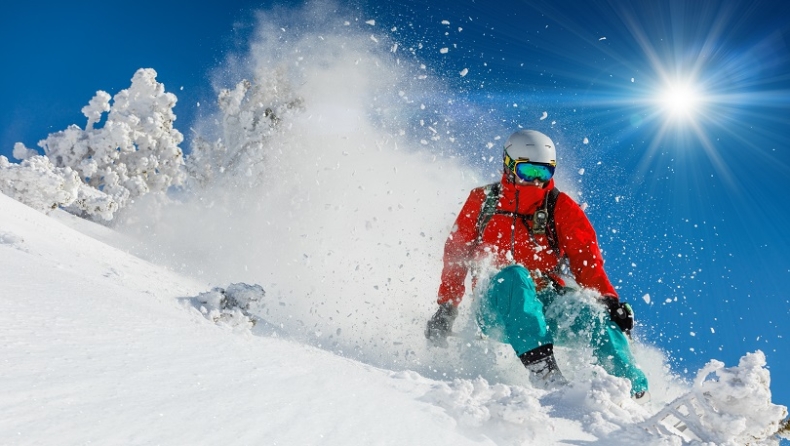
x=38 y=183
x=41 y=185
x=134 y=153
x=251 y=113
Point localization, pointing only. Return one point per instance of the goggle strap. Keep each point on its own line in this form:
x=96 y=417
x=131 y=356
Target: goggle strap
x=511 y=163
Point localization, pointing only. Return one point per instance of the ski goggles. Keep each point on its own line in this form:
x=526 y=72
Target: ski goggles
x=529 y=171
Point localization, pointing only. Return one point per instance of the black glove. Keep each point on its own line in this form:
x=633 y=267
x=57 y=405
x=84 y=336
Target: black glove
x=621 y=314
x=441 y=324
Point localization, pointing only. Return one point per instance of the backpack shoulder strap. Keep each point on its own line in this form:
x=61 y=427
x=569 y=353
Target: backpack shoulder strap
x=551 y=228
x=488 y=208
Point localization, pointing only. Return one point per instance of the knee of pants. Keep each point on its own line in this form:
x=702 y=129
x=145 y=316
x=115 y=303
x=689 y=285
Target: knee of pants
x=512 y=303
x=512 y=290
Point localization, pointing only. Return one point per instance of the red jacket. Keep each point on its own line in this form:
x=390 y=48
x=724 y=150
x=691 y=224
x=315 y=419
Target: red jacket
x=507 y=237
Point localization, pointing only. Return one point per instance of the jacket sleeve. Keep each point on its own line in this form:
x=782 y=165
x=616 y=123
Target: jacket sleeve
x=459 y=249
x=577 y=238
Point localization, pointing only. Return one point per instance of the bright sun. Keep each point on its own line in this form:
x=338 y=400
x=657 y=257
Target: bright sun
x=680 y=100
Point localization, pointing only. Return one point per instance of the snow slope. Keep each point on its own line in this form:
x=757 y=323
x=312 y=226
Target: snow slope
x=101 y=347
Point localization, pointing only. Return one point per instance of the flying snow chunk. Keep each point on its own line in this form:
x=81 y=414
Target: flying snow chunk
x=602 y=38
x=632 y=80
x=646 y=298
x=444 y=50
x=464 y=72
x=581 y=171
x=544 y=116
x=445 y=22
x=371 y=22
x=586 y=141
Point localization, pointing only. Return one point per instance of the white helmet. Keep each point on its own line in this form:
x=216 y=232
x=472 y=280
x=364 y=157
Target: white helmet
x=531 y=145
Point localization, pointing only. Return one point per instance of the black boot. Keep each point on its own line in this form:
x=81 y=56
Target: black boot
x=543 y=368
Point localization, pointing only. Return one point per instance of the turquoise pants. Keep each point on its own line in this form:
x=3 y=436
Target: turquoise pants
x=512 y=310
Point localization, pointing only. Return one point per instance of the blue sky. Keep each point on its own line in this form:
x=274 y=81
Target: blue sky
x=692 y=210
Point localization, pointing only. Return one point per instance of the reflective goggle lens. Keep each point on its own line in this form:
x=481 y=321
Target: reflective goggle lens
x=531 y=171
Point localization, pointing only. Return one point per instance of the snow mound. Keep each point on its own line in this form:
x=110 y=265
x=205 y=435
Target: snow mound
x=477 y=403
x=602 y=403
x=9 y=238
x=230 y=306
x=491 y=413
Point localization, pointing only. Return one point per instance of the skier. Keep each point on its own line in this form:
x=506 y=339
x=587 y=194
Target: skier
x=524 y=230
